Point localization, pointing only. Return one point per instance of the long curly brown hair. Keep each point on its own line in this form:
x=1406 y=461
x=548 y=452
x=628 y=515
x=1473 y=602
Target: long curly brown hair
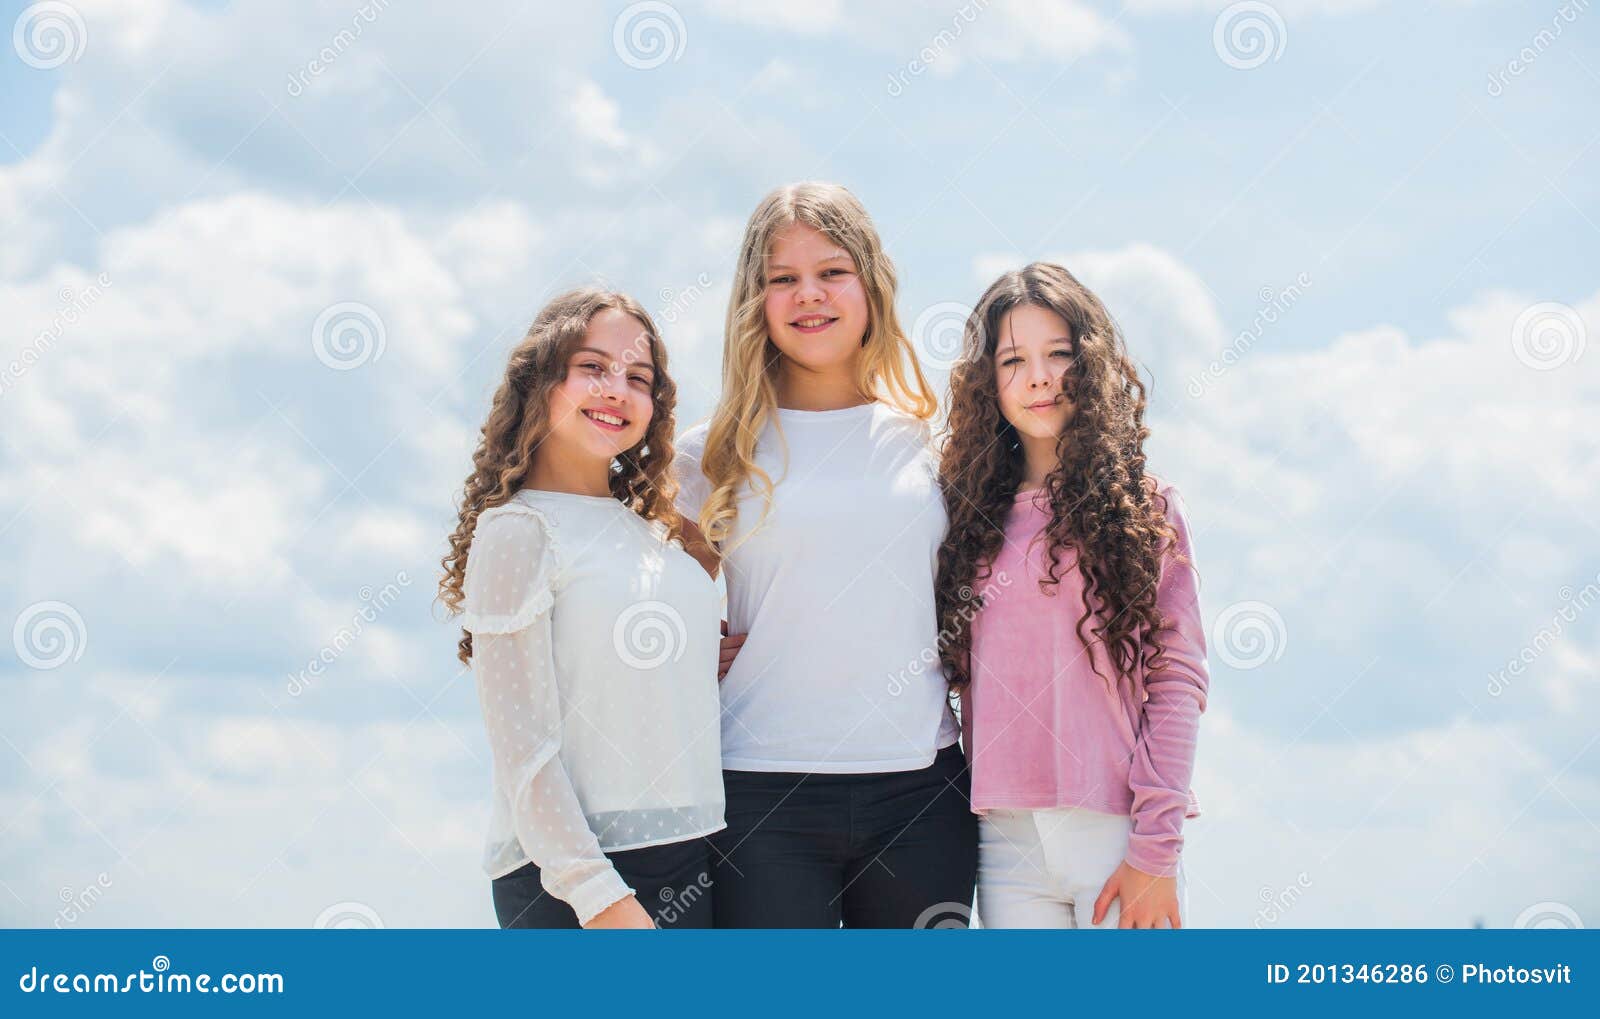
x=1101 y=502
x=519 y=420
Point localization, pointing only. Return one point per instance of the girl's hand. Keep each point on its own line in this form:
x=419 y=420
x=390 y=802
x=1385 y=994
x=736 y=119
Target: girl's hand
x=730 y=649
x=624 y=914
x=1147 y=901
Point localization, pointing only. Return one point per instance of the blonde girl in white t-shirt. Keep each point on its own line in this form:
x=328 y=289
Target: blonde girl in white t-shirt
x=815 y=479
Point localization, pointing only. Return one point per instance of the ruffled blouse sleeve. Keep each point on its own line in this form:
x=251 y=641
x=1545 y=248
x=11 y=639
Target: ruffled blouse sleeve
x=508 y=595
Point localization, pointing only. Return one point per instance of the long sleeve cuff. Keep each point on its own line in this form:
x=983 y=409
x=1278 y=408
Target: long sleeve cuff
x=1155 y=854
x=593 y=894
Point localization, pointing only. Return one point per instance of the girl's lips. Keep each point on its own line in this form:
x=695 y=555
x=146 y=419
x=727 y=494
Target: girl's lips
x=816 y=328
x=604 y=425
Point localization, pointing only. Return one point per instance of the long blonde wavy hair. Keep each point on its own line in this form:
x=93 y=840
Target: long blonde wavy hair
x=519 y=421
x=886 y=369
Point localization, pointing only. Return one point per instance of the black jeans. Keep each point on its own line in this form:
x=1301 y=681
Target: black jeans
x=672 y=882
x=885 y=849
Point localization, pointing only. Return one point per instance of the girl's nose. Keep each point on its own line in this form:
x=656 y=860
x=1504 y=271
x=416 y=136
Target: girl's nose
x=605 y=384
x=809 y=292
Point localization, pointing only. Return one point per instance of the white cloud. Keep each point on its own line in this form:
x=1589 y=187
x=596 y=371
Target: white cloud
x=597 y=116
x=155 y=416
x=218 y=819
x=492 y=247
x=1437 y=827
x=812 y=19
x=1159 y=299
x=1289 y=8
x=1042 y=29
x=938 y=35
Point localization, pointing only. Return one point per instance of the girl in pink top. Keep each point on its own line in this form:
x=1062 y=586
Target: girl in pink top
x=1069 y=617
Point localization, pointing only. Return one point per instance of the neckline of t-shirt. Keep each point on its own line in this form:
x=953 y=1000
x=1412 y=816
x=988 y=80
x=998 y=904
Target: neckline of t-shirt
x=534 y=492
x=789 y=414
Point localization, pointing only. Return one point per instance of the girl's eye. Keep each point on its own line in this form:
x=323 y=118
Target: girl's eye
x=776 y=280
x=593 y=366
x=837 y=272
x=1008 y=362
x=1062 y=353
x=642 y=380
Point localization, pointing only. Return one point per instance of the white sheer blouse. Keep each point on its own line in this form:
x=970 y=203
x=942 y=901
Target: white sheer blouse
x=594 y=648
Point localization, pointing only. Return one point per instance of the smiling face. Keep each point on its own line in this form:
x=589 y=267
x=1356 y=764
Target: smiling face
x=1033 y=355
x=604 y=405
x=815 y=305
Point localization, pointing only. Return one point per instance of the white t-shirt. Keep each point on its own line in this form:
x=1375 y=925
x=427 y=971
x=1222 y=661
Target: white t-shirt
x=840 y=671
x=594 y=646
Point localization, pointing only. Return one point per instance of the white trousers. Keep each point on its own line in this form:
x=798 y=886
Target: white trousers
x=1045 y=868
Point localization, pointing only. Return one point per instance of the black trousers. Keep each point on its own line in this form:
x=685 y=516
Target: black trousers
x=672 y=882
x=886 y=849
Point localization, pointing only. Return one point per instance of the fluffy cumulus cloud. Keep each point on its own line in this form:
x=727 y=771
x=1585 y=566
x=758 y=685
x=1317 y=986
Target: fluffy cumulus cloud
x=246 y=367
x=167 y=810
x=1001 y=30
x=261 y=276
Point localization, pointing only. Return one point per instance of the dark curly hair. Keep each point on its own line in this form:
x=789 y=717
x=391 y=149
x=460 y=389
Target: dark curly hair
x=519 y=420
x=1101 y=501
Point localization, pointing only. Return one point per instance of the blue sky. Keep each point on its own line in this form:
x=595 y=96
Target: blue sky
x=1390 y=480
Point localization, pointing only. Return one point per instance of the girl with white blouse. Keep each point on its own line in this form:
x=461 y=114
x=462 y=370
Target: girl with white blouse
x=816 y=481
x=592 y=636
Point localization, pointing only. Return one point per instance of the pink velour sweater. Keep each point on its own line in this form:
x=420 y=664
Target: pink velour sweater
x=1044 y=731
